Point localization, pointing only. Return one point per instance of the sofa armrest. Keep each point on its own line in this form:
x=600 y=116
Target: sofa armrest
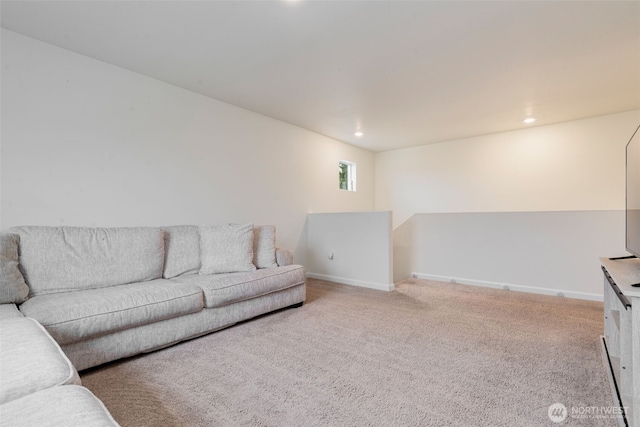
x=9 y=311
x=31 y=360
x=284 y=257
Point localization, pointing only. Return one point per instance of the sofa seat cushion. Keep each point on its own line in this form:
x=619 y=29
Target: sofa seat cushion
x=223 y=289
x=30 y=360
x=69 y=406
x=75 y=316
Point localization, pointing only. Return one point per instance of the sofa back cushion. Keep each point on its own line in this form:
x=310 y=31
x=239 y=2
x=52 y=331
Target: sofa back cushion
x=182 y=250
x=63 y=259
x=13 y=288
x=264 y=246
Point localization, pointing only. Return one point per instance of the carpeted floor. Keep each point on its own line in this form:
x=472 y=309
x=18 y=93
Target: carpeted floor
x=427 y=354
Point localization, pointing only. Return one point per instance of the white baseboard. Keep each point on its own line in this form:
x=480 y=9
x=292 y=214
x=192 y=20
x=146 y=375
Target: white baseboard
x=362 y=284
x=511 y=287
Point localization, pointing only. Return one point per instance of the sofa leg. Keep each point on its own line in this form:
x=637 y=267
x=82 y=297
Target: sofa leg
x=298 y=305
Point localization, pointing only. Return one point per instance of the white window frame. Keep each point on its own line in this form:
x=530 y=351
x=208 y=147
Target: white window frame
x=351 y=175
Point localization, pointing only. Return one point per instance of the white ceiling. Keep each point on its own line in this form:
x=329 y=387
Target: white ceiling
x=406 y=73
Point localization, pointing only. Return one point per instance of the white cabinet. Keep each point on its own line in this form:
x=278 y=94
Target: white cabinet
x=622 y=331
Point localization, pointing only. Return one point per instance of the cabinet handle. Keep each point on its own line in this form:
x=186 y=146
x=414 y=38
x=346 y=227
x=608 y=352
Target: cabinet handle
x=625 y=302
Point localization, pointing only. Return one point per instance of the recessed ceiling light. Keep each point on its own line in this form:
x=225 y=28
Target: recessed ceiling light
x=529 y=120
x=359 y=133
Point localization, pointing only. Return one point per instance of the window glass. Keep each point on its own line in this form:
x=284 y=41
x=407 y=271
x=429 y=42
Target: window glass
x=347 y=175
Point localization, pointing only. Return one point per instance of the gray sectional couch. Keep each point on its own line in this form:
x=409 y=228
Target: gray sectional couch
x=38 y=384
x=101 y=294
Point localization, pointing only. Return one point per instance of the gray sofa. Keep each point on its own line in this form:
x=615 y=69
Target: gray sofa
x=39 y=386
x=107 y=293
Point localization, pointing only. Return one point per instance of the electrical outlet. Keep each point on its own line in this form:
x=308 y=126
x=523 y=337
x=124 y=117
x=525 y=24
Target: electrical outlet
x=331 y=256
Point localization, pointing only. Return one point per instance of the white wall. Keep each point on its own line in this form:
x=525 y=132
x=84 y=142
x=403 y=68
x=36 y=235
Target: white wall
x=89 y=144
x=406 y=250
x=361 y=245
x=85 y=143
x=455 y=205
x=576 y=165
x=541 y=252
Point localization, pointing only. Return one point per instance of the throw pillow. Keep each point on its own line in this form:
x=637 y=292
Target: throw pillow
x=264 y=246
x=226 y=248
x=182 y=249
x=13 y=288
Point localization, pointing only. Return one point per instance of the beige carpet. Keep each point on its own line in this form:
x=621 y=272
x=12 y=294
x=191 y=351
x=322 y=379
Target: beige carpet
x=427 y=354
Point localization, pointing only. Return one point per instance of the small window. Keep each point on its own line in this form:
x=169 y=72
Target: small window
x=347 y=175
